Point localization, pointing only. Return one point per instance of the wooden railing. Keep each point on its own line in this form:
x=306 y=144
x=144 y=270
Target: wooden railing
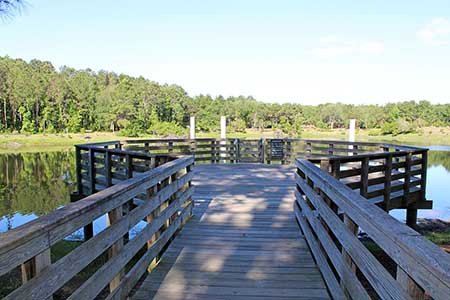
x=391 y=176
x=114 y=262
x=333 y=218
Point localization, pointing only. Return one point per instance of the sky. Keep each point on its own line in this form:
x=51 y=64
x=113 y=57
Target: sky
x=309 y=52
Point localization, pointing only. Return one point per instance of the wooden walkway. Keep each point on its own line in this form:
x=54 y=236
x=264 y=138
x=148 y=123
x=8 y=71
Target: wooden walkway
x=242 y=243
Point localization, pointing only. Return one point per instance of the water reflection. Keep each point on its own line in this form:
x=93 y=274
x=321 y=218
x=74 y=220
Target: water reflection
x=33 y=184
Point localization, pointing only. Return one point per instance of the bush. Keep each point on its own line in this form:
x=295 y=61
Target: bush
x=238 y=125
x=400 y=126
x=166 y=128
x=374 y=132
x=132 y=130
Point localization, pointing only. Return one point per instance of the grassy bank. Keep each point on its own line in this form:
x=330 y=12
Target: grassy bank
x=46 y=142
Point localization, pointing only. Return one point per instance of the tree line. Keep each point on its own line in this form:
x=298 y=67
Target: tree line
x=36 y=97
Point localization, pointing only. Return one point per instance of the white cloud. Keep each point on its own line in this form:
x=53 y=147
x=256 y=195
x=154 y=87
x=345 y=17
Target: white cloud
x=333 y=46
x=436 y=33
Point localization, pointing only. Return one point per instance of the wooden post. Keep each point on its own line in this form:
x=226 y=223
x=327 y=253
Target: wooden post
x=150 y=193
x=35 y=266
x=92 y=170
x=289 y=151
x=213 y=151
x=88 y=230
x=261 y=151
x=113 y=217
x=108 y=168
x=351 y=134
x=387 y=183
x=423 y=175
x=238 y=150
x=345 y=256
x=78 y=170
x=128 y=166
x=409 y=285
x=364 y=177
x=411 y=213
x=192 y=128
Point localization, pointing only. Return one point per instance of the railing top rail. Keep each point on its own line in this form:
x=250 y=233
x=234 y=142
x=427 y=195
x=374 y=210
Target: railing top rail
x=28 y=240
x=336 y=142
x=424 y=261
x=135 y=154
x=374 y=155
x=97 y=144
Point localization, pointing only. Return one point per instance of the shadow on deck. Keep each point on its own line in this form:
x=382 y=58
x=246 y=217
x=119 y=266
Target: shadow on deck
x=242 y=242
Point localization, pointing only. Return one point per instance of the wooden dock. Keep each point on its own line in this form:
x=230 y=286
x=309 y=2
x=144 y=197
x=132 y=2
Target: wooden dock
x=217 y=219
x=242 y=242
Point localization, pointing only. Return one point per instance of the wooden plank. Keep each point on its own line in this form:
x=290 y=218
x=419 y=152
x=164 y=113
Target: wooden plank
x=425 y=262
x=22 y=243
x=234 y=247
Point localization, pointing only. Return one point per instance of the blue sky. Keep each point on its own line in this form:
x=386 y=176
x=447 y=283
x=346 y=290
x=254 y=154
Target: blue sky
x=279 y=51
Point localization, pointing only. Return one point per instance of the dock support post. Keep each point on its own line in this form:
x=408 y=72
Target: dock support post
x=223 y=136
x=351 y=134
x=192 y=128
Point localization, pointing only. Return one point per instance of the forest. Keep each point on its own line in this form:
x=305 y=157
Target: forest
x=35 y=97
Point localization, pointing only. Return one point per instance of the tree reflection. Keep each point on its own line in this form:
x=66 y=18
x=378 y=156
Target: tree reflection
x=35 y=182
x=437 y=158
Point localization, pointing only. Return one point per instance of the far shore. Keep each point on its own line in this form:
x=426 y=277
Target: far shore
x=436 y=136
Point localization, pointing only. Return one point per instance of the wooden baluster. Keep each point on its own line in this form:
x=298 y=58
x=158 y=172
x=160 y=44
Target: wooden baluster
x=261 y=151
x=336 y=169
x=347 y=259
x=193 y=147
x=108 y=168
x=364 y=177
x=238 y=150
x=213 y=158
x=288 y=152
x=150 y=193
x=35 y=266
x=113 y=217
x=308 y=148
x=92 y=170
x=411 y=213
x=387 y=183
x=325 y=165
x=355 y=147
x=409 y=285
x=330 y=149
x=423 y=175
x=88 y=230
x=78 y=171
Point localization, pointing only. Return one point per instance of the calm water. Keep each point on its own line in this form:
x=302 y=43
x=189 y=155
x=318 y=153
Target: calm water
x=33 y=184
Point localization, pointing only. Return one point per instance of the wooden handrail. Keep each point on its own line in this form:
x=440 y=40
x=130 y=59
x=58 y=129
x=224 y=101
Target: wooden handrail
x=386 y=180
x=324 y=205
x=169 y=203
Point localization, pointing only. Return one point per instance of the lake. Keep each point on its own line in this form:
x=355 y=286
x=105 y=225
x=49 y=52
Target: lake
x=34 y=184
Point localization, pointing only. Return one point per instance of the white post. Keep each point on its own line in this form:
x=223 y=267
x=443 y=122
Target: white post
x=192 y=128
x=223 y=136
x=351 y=134
x=351 y=131
x=223 y=127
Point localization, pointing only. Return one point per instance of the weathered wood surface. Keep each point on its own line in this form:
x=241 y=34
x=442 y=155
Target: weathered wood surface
x=330 y=214
x=242 y=243
x=30 y=244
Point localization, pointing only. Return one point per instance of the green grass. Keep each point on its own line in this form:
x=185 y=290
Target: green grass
x=48 y=142
x=440 y=238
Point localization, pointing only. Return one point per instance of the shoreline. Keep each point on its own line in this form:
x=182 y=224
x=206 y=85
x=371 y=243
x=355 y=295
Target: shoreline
x=18 y=143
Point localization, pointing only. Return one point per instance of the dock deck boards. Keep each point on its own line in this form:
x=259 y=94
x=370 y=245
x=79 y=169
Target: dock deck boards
x=242 y=242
